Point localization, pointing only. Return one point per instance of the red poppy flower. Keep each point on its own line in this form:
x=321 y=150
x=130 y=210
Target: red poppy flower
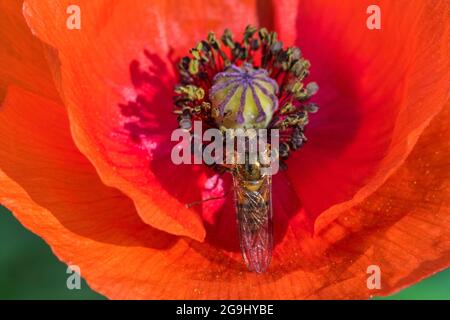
x=370 y=188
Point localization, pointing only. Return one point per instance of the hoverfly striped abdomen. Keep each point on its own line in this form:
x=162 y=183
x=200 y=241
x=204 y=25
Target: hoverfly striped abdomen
x=253 y=204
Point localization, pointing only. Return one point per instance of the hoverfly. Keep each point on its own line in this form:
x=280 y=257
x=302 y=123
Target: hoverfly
x=252 y=184
x=253 y=201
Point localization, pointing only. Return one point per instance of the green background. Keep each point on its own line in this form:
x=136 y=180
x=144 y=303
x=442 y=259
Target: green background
x=29 y=270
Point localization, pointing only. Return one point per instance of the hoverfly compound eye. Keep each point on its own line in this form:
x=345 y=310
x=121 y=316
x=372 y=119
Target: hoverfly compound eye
x=244 y=97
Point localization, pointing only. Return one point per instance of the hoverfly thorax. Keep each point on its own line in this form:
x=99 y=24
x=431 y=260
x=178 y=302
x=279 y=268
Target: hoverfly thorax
x=253 y=84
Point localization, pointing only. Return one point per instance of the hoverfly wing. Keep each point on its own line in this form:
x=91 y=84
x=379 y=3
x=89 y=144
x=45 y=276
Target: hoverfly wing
x=254 y=218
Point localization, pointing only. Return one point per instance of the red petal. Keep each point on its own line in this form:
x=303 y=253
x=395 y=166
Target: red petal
x=22 y=61
x=55 y=192
x=131 y=37
x=378 y=91
x=408 y=241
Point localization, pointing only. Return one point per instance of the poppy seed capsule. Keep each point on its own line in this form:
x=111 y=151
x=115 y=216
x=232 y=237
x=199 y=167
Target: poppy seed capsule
x=244 y=97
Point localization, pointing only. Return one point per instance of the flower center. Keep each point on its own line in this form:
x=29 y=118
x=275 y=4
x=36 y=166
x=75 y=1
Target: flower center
x=244 y=97
x=252 y=83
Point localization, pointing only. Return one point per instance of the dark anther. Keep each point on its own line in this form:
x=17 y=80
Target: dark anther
x=283 y=56
x=254 y=45
x=296 y=53
x=277 y=46
x=187 y=112
x=284 y=150
x=312 y=88
x=248 y=34
x=263 y=34
x=311 y=107
x=227 y=39
x=213 y=41
x=206 y=47
x=298 y=138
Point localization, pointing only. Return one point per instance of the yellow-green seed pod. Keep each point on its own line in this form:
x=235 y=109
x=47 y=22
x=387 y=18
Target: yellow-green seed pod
x=244 y=97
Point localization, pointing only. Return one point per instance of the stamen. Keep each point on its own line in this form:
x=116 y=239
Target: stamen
x=222 y=85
